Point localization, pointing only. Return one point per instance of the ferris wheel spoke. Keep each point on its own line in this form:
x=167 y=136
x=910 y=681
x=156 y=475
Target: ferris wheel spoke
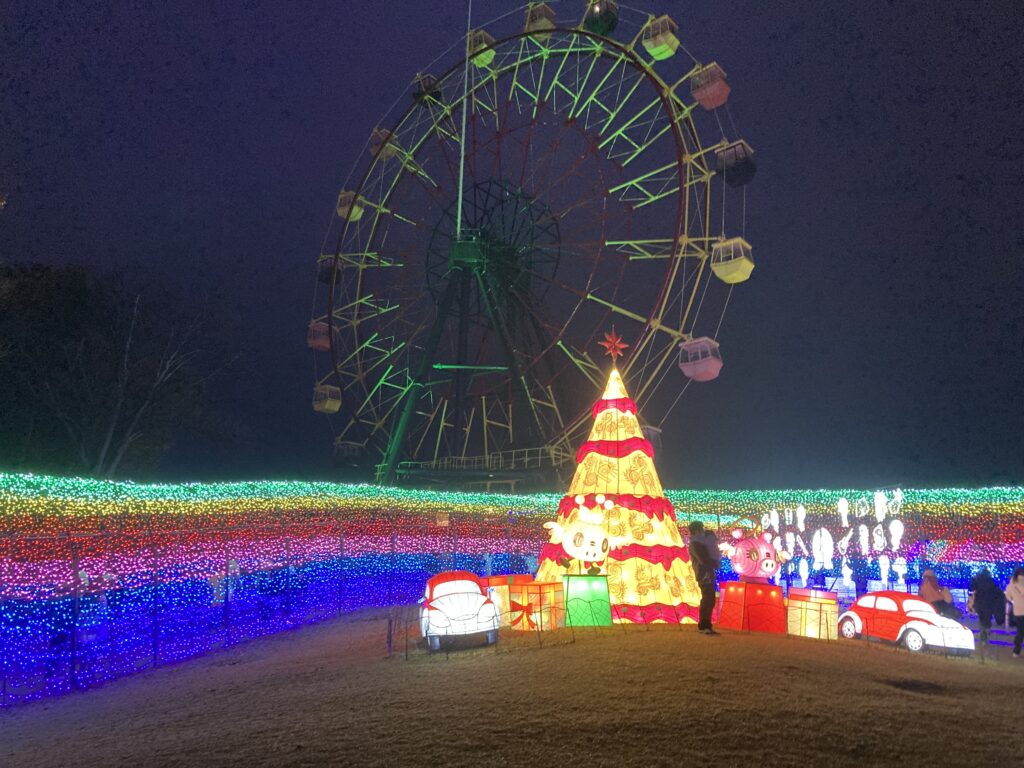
x=543 y=328
x=646 y=143
x=484 y=101
x=566 y=53
x=638 y=317
x=649 y=187
x=655 y=249
x=529 y=87
x=635 y=132
x=544 y=163
x=582 y=361
x=527 y=146
x=519 y=382
x=363 y=308
x=539 y=337
x=433 y=190
x=586 y=101
x=653 y=372
x=451 y=163
x=573 y=170
x=574 y=206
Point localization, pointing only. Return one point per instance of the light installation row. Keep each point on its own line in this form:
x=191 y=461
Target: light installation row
x=100 y=579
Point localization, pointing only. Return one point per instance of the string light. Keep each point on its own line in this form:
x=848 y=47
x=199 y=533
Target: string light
x=100 y=579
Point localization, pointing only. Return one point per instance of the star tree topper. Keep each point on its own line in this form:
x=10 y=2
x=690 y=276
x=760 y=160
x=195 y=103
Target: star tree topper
x=613 y=345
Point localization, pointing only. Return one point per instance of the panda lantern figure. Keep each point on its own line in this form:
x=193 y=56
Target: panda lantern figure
x=755 y=559
x=583 y=537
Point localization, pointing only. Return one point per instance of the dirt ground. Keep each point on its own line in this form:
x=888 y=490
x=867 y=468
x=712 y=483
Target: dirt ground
x=328 y=695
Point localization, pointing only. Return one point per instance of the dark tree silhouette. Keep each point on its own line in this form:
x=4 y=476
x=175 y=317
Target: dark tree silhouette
x=99 y=375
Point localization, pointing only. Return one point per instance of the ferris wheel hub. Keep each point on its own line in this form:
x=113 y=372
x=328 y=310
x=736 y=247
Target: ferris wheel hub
x=508 y=239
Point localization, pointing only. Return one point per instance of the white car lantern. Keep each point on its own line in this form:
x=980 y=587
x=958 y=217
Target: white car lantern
x=456 y=604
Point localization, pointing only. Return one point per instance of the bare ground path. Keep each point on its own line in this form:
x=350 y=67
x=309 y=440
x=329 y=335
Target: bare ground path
x=326 y=695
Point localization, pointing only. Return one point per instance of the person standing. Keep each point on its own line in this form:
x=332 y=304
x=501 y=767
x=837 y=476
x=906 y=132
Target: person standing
x=705 y=558
x=940 y=597
x=1015 y=594
x=988 y=601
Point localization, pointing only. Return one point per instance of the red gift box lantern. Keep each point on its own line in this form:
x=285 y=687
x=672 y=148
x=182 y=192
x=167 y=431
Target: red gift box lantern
x=750 y=606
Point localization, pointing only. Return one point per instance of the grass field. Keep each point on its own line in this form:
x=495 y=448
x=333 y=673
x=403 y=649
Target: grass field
x=329 y=695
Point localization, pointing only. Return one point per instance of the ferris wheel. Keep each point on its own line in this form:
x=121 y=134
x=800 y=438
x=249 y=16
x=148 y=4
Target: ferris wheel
x=559 y=176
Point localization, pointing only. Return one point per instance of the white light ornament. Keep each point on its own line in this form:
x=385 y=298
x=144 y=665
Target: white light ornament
x=869 y=527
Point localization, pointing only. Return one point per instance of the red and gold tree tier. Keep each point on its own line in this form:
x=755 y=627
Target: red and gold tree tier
x=616 y=491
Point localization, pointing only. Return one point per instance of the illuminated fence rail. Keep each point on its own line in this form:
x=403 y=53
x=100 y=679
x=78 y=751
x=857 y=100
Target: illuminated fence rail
x=99 y=580
x=525 y=458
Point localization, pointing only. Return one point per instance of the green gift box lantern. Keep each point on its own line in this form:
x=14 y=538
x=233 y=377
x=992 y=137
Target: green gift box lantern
x=587 y=603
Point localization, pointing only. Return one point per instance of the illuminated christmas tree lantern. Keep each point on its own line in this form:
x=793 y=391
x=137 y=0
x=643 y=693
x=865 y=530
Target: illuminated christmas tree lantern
x=498 y=588
x=480 y=51
x=709 y=87
x=326 y=398
x=349 y=205
x=540 y=20
x=616 y=521
x=537 y=605
x=587 y=602
x=732 y=260
x=735 y=161
x=700 y=359
x=813 y=613
x=660 y=38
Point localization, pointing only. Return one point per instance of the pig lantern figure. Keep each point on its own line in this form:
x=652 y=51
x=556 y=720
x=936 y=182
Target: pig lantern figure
x=583 y=537
x=757 y=558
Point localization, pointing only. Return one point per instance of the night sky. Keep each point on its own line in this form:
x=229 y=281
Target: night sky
x=879 y=342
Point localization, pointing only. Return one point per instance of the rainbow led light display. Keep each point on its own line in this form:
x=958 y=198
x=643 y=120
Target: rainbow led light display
x=101 y=579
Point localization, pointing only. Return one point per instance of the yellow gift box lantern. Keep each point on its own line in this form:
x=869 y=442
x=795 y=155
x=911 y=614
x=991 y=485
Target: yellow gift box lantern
x=813 y=613
x=539 y=605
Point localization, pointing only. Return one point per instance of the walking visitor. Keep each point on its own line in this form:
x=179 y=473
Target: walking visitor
x=1015 y=594
x=988 y=601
